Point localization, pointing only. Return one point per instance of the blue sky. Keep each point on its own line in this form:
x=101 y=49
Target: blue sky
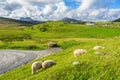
x=96 y=10
x=72 y=4
x=115 y=4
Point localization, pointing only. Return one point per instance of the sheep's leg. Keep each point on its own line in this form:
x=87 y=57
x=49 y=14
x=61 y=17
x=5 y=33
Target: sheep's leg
x=33 y=70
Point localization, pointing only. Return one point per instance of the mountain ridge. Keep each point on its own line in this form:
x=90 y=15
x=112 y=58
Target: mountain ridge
x=4 y=20
x=117 y=20
x=71 y=20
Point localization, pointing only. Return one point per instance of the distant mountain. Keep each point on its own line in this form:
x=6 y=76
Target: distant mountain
x=14 y=21
x=117 y=20
x=28 y=19
x=70 y=20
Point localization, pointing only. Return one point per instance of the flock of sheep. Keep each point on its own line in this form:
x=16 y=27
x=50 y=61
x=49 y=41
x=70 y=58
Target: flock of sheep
x=44 y=65
x=48 y=63
x=78 y=52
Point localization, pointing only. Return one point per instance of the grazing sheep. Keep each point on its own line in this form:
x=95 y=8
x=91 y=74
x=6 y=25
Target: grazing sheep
x=99 y=53
x=47 y=64
x=79 y=52
x=76 y=63
x=35 y=66
x=52 y=44
x=98 y=47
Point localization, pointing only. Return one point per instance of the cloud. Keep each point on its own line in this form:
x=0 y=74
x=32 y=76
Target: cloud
x=94 y=4
x=96 y=10
x=57 y=9
x=49 y=9
x=34 y=2
x=113 y=14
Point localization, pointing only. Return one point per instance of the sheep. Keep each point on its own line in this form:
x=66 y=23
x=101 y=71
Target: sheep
x=79 y=52
x=47 y=64
x=35 y=66
x=76 y=63
x=52 y=44
x=98 y=47
x=99 y=53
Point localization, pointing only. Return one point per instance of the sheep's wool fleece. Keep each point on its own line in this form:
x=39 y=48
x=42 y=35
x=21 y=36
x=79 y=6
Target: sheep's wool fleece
x=80 y=51
x=98 y=47
x=47 y=63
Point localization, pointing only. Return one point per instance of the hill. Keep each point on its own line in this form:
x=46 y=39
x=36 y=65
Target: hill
x=13 y=21
x=104 y=66
x=52 y=30
x=58 y=29
x=11 y=29
x=70 y=20
x=28 y=19
x=117 y=20
x=11 y=24
x=92 y=66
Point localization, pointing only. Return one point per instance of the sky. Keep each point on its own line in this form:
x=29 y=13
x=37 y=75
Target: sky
x=42 y=10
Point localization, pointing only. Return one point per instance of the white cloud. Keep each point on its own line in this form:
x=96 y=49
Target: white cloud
x=85 y=4
x=61 y=10
x=34 y=1
x=3 y=12
x=93 y=4
x=56 y=9
x=49 y=9
x=95 y=10
x=113 y=14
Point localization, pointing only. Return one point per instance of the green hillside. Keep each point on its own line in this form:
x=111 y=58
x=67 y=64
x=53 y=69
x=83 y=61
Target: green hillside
x=92 y=66
x=11 y=31
x=69 y=37
x=40 y=33
x=66 y=30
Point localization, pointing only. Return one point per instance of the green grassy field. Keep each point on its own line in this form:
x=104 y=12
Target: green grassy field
x=70 y=37
x=51 y=30
x=65 y=30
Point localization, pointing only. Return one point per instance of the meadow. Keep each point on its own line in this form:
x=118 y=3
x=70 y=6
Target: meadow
x=69 y=37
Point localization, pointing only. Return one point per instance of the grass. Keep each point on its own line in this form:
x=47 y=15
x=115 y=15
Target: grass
x=67 y=44
x=69 y=37
x=92 y=66
x=65 y=30
x=23 y=45
x=10 y=35
x=52 y=30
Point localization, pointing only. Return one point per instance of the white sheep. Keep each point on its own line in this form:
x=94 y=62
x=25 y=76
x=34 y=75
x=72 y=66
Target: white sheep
x=79 y=52
x=35 y=66
x=47 y=64
x=98 y=47
x=76 y=63
x=99 y=53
